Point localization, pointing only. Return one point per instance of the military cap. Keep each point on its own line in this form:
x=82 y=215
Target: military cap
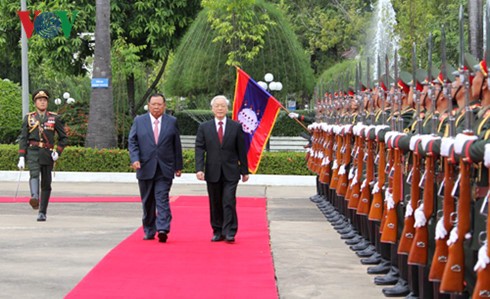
x=384 y=85
x=434 y=71
x=470 y=64
x=404 y=81
x=482 y=67
x=420 y=76
x=450 y=71
x=40 y=93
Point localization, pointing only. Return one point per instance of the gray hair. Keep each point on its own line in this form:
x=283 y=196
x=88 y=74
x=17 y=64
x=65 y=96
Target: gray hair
x=220 y=97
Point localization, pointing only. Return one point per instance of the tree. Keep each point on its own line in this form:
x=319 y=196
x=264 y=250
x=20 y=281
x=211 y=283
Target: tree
x=101 y=132
x=200 y=71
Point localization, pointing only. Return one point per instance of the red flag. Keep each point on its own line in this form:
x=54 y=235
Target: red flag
x=257 y=111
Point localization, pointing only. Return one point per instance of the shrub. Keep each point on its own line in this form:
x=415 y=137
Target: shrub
x=80 y=159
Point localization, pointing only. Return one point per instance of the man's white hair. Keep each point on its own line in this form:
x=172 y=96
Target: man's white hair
x=220 y=97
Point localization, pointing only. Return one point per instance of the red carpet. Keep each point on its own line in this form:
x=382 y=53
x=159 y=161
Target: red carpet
x=189 y=265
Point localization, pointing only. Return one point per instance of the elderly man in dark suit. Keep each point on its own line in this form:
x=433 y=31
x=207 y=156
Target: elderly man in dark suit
x=156 y=155
x=220 y=160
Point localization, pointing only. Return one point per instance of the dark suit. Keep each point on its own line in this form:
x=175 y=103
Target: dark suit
x=222 y=165
x=158 y=162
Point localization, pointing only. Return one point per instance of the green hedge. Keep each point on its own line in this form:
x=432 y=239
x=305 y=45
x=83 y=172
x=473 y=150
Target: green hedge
x=117 y=160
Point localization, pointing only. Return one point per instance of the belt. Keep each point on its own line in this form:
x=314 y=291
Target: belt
x=40 y=144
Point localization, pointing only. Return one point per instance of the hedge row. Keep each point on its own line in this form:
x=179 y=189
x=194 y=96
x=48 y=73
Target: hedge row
x=117 y=160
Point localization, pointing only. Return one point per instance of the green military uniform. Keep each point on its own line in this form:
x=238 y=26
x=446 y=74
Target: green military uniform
x=37 y=144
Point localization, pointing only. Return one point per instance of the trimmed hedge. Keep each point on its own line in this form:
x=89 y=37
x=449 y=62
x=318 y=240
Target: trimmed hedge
x=117 y=160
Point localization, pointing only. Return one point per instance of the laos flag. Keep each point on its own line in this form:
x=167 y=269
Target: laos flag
x=257 y=111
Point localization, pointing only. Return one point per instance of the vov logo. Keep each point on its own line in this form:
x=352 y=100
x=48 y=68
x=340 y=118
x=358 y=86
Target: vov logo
x=47 y=24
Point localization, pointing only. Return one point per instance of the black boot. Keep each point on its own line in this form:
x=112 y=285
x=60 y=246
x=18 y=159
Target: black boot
x=390 y=278
x=383 y=268
x=399 y=290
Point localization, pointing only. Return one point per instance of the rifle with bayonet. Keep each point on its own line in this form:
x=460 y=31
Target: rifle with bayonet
x=482 y=286
x=439 y=259
x=413 y=179
x=376 y=210
x=420 y=247
x=395 y=184
x=453 y=276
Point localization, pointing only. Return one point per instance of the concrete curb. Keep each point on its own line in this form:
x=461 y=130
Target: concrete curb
x=186 y=178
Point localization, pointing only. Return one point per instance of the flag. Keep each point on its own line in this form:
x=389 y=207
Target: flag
x=257 y=111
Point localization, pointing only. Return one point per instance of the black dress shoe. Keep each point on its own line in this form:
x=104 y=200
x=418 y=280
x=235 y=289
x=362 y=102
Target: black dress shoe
x=149 y=237
x=230 y=239
x=357 y=239
x=383 y=268
x=390 y=278
x=34 y=202
x=360 y=246
x=41 y=217
x=217 y=238
x=400 y=289
x=372 y=260
x=162 y=236
x=368 y=252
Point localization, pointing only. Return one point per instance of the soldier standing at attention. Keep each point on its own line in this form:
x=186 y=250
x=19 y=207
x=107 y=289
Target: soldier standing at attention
x=36 y=143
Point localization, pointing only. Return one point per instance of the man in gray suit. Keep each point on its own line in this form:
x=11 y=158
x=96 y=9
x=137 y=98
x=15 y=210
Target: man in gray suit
x=220 y=160
x=156 y=155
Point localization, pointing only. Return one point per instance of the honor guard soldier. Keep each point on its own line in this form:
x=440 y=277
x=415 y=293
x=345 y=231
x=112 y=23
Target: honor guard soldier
x=37 y=148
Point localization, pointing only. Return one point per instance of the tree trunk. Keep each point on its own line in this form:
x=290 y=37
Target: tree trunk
x=101 y=127
x=475 y=17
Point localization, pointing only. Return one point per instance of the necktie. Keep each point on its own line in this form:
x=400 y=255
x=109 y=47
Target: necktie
x=155 y=130
x=220 y=132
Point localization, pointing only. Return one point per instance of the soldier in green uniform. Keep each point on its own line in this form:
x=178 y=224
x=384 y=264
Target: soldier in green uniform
x=36 y=145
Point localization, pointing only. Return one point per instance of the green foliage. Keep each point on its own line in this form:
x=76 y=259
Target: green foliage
x=79 y=159
x=235 y=25
x=11 y=107
x=199 y=66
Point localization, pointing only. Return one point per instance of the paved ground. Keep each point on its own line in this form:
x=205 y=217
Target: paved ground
x=46 y=260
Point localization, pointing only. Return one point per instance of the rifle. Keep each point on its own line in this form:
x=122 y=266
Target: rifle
x=482 y=286
x=395 y=183
x=453 y=276
x=338 y=146
x=439 y=259
x=419 y=251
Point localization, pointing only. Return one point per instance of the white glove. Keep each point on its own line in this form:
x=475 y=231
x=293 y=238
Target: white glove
x=426 y=139
x=483 y=259
x=54 y=156
x=486 y=156
x=419 y=215
x=441 y=231
x=293 y=115
x=461 y=140
x=390 y=203
x=335 y=165
x=22 y=163
x=351 y=173
x=409 y=210
x=453 y=236
x=379 y=128
x=376 y=188
x=446 y=143
x=413 y=141
x=342 y=169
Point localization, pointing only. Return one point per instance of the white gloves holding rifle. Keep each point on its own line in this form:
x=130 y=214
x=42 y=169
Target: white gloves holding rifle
x=54 y=156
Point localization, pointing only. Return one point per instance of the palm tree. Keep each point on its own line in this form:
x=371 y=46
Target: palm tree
x=101 y=131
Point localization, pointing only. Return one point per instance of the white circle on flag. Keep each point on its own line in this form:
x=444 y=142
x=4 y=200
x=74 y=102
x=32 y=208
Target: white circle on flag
x=248 y=119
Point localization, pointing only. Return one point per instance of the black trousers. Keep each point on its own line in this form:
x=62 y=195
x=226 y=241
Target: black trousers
x=222 y=207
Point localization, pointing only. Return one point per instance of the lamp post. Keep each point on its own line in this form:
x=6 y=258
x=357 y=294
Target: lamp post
x=272 y=86
x=68 y=99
